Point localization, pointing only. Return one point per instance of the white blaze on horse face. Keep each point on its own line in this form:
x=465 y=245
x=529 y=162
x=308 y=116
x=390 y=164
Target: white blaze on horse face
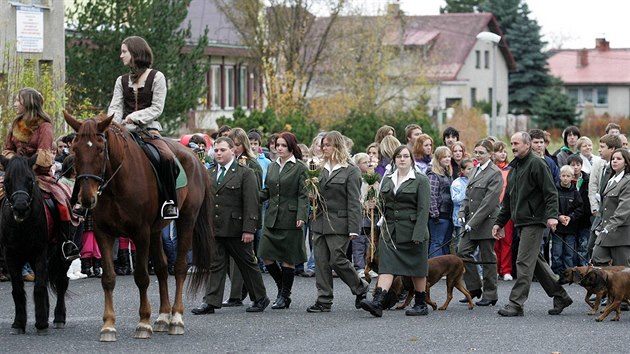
x=89 y=143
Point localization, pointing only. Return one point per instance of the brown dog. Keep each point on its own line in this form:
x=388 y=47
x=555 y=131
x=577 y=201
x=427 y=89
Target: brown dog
x=617 y=284
x=577 y=274
x=450 y=266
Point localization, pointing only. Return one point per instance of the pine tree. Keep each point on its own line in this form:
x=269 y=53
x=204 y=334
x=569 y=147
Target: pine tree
x=552 y=108
x=92 y=52
x=522 y=34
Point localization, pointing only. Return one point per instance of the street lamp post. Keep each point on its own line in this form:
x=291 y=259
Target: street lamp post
x=494 y=39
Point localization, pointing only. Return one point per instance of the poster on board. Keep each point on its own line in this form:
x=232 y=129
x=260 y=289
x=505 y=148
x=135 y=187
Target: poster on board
x=29 y=29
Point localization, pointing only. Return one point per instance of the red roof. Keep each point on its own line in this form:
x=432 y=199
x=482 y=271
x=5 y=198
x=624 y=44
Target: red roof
x=610 y=66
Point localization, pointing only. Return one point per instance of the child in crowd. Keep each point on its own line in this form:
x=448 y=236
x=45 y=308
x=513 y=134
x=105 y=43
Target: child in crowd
x=580 y=181
x=360 y=244
x=569 y=210
x=458 y=192
x=503 y=246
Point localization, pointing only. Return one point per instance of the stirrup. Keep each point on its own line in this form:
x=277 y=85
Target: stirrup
x=169 y=216
x=70 y=251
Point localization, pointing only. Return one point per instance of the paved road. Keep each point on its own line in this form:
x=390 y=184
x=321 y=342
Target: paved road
x=345 y=329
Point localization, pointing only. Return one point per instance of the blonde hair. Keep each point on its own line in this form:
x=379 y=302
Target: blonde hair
x=583 y=140
x=238 y=134
x=388 y=146
x=340 y=151
x=567 y=169
x=465 y=155
x=439 y=154
x=359 y=156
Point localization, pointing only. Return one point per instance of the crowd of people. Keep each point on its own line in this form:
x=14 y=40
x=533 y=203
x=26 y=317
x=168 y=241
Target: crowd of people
x=399 y=202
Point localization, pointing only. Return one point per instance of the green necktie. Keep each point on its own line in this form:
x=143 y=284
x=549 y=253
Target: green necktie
x=221 y=174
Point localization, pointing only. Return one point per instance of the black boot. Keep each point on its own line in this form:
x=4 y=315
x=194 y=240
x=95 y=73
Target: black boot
x=86 y=267
x=276 y=273
x=473 y=294
x=420 y=307
x=122 y=262
x=375 y=307
x=284 y=300
x=97 y=267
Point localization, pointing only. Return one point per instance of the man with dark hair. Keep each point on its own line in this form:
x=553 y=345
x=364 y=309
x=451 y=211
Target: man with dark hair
x=531 y=201
x=412 y=132
x=540 y=141
x=235 y=221
x=224 y=130
x=449 y=136
x=570 y=136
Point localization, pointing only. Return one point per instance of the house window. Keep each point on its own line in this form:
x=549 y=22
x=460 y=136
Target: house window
x=602 y=96
x=486 y=59
x=473 y=96
x=477 y=59
x=215 y=87
x=229 y=87
x=490 y=94
x=242 y=86
x=598 y=96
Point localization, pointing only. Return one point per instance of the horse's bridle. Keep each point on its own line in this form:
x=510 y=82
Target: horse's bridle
x=102 y=182
x=20 y=192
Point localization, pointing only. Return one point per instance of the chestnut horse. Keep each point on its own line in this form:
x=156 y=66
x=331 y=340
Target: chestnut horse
x=116 y=181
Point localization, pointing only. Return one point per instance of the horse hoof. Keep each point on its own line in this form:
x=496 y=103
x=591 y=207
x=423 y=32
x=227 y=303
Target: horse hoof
x=17 y=331
x=108 y=335
x=42 y=331
x=143 y=331
x=59 y=325
x=160 y=326
x=176 y=329
x=162 y=322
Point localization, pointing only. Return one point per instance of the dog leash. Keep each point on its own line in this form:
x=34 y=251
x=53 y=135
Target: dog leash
x=588 y=262
x=447 y=242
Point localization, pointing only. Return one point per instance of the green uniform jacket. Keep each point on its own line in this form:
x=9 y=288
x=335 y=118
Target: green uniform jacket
x=235 y=201
x=615 y=214
x=288 y=201
x=481 y=204
x=530 y=196
x=406 y=212
x=341 y=193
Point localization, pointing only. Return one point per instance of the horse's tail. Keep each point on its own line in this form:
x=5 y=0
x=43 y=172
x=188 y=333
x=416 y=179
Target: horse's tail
x=203 y=246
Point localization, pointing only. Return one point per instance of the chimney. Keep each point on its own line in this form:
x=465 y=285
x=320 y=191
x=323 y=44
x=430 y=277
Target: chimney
x=602 y=45
x=393 y=9
x=582 y=58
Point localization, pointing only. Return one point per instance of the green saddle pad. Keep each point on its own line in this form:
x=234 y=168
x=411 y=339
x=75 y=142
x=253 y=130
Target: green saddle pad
x=182 y=178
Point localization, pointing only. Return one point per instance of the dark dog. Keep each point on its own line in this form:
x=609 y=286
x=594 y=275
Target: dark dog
x=450 y=266
x=617 y=284
x=577 y=274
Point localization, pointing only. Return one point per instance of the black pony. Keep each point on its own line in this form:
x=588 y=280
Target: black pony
x=24 y=236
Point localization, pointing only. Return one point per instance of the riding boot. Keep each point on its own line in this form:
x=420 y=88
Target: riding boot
x=284 y=300
x=86 y=267
x=98 y=271
x=122 y=262
x=375 y=307
x=276 y=274
x=169 y=170
x=420 y=306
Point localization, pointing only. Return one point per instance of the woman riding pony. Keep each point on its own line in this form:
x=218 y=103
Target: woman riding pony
x=32 y=133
